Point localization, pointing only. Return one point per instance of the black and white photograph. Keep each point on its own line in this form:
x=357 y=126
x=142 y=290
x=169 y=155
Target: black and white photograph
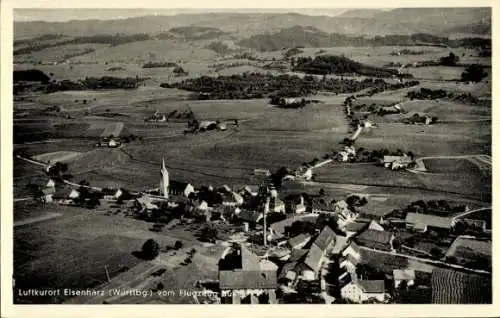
x=252 y=156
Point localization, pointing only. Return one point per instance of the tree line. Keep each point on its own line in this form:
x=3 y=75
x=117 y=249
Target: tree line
x=257 y=85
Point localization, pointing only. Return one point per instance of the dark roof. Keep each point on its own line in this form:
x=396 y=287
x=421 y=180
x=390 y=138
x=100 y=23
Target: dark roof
x=286 y=268
x=242 y=279
x=177 y=185
x=454 y=287
x=356 y=227
x=299 y=239
x=325 y=238
x=382 y=237
x=372 y=286
x=48 y=190
x=250 y=216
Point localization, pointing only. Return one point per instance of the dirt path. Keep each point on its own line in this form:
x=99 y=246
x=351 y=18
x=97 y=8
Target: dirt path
x=37 y=219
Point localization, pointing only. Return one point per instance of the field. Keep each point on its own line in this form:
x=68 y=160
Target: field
x=73 y=249
x=48 y=254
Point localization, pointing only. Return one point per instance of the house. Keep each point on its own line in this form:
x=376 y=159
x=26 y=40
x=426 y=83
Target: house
x=180 y=188
x=251 y=190
x=321 y=246
x=352 y=250
x=232 y=199
x=113 y=143
x=349 y=263
x=276 y=205
x=380 y=240
x=341 y=243
x=396 y=162
x=252 y=217
x=262 y=172
x=375 y=226
x=362 y=290
x=296 y=207
x=403 y=275
x=320 y=206
x=47 y=193
x=421 y=222
x=74 y=194
x=243 y=274
x=451 y=286
x=354 y=228
x=299 y=241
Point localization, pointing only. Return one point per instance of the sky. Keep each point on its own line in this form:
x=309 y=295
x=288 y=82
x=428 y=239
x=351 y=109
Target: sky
x=107 y=14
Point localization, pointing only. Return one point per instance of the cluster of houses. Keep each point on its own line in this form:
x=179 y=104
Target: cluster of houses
x=292 y=258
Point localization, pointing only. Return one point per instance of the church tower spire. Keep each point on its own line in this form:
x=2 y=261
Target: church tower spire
x=164 y=181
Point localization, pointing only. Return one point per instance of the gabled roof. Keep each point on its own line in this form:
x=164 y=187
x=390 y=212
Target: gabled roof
x=372 y=286
x=313 y=259
x=297 y=255
x=403 y=274
x=454 y=287
x=356 y=227
x=428 y=219
x=250 y=216
x=48 y=190
x=340 y=244
x=286 y=268
x=240 y=279
x=301 y=238
x=375 y=226
x=375 y=236
x=325 y=238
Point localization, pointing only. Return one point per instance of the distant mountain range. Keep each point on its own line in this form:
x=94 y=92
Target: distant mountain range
x=366 y=22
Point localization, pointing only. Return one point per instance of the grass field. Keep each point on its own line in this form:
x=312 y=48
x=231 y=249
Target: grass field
x=72 y=250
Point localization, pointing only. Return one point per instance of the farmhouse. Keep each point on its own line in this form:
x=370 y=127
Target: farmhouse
x=47 y=193
x=320 y=206
x=262 y=172
x=242 y=276
x=316 y=255
x=421 y=222
x=403 y=275
x=299 y=241
x=362 y=290
x=453 y=287
x=380 y=240
x=232 y=199
x=397 y=162
x=353 y=229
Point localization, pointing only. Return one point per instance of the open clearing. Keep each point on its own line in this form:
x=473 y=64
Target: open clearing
x=58 y=156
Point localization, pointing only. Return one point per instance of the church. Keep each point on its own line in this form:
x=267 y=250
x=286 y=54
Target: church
x=170 y=187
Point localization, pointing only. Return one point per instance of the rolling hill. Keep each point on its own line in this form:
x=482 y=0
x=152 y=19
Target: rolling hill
x=355 y=22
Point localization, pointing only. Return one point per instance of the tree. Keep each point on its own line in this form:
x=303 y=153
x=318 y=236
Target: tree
x=436 y=252
x=450 y=60
x=178 y=245
x=473 y=73
x=150 y=249
x=322 y=191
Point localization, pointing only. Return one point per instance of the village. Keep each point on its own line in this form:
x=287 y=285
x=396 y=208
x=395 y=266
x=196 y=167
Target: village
x=241 y=158
x=309 y=248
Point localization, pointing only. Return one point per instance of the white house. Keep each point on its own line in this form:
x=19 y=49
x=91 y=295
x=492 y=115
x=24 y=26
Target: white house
x=47 y=194
x=74 y=194
x=113 y=143
x=404 y=275
x=362 y=290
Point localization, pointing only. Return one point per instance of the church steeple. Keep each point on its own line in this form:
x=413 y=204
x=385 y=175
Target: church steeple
x=164 y=181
